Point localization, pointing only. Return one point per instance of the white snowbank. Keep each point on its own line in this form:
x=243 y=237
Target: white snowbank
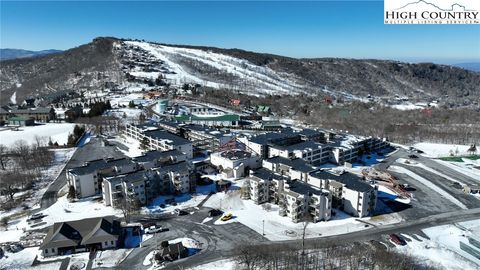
x=442 y=150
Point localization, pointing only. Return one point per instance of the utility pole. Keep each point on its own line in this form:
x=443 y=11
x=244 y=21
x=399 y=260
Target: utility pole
x=263 y=227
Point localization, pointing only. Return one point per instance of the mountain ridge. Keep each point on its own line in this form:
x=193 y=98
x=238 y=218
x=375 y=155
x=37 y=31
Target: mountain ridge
x=125 y=63
x=12 y=53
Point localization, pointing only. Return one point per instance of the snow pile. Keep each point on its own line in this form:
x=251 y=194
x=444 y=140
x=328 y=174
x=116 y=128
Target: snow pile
x=436 y=150
x=55 y=131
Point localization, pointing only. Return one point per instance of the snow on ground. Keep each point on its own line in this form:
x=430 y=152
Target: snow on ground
x=464 y=167
x=128 y=114
x=118 y=100
x=443 y=247
x=63 y=210
x=217 y=265
x=132 y=145
x=79 y=259
x=427 y=183
x=279 y=228
x=263 y=79
x=148 y=258
x=385 y=191
x=20 y=260
x=441 y=150
x=58 y=132
x=183 y=201
x=110 y=258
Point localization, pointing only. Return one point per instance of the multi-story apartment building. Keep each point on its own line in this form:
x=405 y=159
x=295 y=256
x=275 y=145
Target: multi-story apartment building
x=310 y=151
x=235 y=163
x=293 y=168
x=153 y=159
x=350 y=192
x=159 y=139
x=87 y=179
x=146 y=184
x=296 y=200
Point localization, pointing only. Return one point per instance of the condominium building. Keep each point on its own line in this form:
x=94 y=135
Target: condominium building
x=159 y=139
x=350 y=192
x=235 y=163
x=87 y=179
x=293 y=168
x=296 y=200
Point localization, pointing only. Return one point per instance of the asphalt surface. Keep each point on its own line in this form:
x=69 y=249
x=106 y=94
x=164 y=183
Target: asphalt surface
x=428 y=209
x=90 y=151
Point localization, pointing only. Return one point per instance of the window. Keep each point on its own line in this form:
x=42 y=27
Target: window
x=106 y=243
x=53 y=250
x=111 y=242
x=46 y=250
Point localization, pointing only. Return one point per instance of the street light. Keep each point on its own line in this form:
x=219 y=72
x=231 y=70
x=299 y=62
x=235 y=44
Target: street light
x=263 y=227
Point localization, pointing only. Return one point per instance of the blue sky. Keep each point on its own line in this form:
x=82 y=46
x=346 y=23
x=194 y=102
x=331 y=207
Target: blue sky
x=352 y=29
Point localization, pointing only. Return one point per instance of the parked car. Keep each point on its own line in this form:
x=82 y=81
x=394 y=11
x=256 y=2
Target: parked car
x=215 y=212
x=412 y=156
x=14 y=248
x=38 y=215
x=420 y=151
x=397 y=240
x=153 y=229
x=180 y=212
x=227 y=217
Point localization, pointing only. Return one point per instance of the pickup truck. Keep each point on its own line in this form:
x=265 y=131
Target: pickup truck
x=153 y=229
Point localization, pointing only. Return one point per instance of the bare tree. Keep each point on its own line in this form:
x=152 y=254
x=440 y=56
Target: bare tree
x=4 y=156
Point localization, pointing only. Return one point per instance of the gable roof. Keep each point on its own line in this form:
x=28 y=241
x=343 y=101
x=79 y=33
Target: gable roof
x=81 y=232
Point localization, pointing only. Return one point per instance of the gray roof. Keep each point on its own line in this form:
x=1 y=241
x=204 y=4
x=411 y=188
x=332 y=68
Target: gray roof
x=297 y=164
x=270 y=136
x=176 y=167
x=304 y=188
x=3 y=111
x=300 y=146
x=80 y=232
x=128 y=177
x=266 y=174
x=40 y=110
x=156 y=155
x=165 y=135
x=99 y=164
x=350 y=180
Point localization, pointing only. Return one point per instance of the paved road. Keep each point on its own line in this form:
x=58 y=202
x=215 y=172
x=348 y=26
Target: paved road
x=90 y=151
x=222 y=241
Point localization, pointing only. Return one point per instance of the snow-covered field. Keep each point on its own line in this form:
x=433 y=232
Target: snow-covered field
x=467 y=167
x=279 y=228
x=20 y=260
x=436 y=150
x=57 y=132
x=63 y=210
x=443 y=247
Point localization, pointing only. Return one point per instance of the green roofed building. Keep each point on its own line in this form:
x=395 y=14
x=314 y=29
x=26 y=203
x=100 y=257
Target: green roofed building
x=225 y=120
x=21 y=121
